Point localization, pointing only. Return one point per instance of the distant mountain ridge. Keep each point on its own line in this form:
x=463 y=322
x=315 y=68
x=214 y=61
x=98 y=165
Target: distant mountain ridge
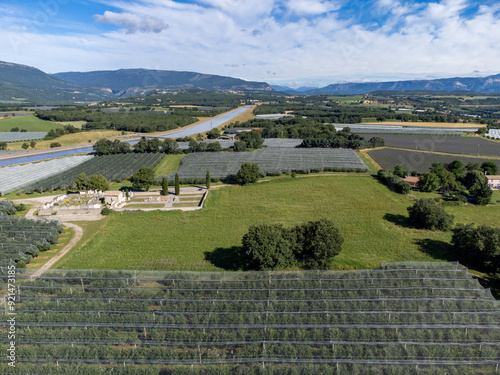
x=25 y=83
x=133 y=82
x=490 y=84
x=22 y=83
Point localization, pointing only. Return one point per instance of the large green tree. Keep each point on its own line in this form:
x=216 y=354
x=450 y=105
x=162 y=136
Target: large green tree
x=143 y=178
x=477 y=184
x=428 y=182
x=267 y=247
x=426 y=213
x=248 y=173
x=321 y=241
x=82 y=182
x=98 y=182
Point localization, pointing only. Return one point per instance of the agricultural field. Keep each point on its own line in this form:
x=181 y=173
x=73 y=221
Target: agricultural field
x=113 y=167
x=30 y=123
x=87 y=137
x=271 y=161
x=381 y=321
x=453 y=145
x=21 y=136
x=368 y=215
x=22 y=239
x=19 y=176
x=395 y=129
x=419 y=161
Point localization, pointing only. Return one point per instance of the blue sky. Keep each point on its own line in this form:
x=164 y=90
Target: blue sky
x=293 y=42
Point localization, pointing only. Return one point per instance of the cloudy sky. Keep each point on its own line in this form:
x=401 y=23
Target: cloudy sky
x=294 y=42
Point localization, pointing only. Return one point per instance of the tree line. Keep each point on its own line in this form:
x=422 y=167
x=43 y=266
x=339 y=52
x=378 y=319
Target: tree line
x=134 y=122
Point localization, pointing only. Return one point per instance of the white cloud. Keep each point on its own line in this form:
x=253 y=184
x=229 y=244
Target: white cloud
x=133 y=23
x=311 y=7
x=249 y=39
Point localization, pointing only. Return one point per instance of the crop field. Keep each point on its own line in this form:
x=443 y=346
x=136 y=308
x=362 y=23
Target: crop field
x=454 y=125
x=22 y=239
x=75 y=139
x=113 y=167
x=395 y=129
x=408 y=318
x=388 y=158
x=19 y=176
x=271 y=160
x=21 y=136
x=30 y=123
x=453 y=145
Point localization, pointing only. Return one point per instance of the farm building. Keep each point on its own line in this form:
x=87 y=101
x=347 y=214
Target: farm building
x=494 y=182
x=413 y=181
x=114 y=198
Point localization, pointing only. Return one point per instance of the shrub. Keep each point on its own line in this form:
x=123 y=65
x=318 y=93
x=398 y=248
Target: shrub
x=55 y=144
x=106 y=211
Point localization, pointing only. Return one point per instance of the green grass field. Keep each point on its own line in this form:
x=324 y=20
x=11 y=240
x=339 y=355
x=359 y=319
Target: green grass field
x=169 y=164
x=371 y=218
x=30 y=123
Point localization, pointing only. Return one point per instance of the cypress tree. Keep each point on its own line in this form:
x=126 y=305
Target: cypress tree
x=164 y=186
x=207 y=179
x=177 y=185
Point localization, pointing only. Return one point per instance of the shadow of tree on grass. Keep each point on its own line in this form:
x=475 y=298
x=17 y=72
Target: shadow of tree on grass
x=437 y=249
x=226 y=258
x=400 y=220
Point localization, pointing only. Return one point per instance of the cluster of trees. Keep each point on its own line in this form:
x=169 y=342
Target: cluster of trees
x=344 y=139
x=3 y=145
x=314 y=132
x=16 y=129
x=478 y=247
x=95 y=182
x=66 y=129
x=107 y=147
x=135 y=122
x=459 y=180
x=248 y=140
x=311 y=245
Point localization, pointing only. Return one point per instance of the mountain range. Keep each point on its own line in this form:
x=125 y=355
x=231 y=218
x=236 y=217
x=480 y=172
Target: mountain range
x=490 y=84
x=21 y=84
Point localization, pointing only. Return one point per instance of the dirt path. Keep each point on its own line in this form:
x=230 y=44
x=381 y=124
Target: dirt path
x=78 y=233
x=74 y=240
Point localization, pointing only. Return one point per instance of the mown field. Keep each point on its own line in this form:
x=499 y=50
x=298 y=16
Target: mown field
x=448 y=144
x=420 y=161
x=371 y=218
x=30 y=123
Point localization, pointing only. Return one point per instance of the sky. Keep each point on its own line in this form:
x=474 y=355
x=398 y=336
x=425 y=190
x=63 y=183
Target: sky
x=284 y=42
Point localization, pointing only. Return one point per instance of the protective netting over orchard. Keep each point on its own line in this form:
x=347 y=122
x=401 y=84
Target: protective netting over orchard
x=273 y=160
x=22 y=239
x=405 y=318
x=19 y=176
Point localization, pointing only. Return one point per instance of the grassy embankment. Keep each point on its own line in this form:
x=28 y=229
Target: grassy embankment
x=371 y=218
